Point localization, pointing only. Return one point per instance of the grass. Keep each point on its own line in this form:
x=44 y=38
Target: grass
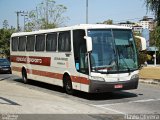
x=150 y=72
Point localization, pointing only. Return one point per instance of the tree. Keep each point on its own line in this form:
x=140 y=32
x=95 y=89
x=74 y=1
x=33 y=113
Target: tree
x=157 y=37
x=5 y=24
x=109 y=22
x=5 y=35
x=154 y=6
x=47 y=15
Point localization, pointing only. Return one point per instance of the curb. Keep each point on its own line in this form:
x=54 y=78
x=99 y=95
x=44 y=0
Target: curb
x=150 y=81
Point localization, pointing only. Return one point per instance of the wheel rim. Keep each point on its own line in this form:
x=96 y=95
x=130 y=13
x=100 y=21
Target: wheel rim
x=68 y=86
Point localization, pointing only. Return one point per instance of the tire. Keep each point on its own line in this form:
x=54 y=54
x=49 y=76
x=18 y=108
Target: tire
x=68 y=85
x=24 y=76
x=10 y=72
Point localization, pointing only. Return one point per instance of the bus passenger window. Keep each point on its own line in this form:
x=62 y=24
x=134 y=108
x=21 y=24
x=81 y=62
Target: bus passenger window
x=14 y=43
x=64 y=42
x=30 y=43
x=51 y=42
x=40 y=43
x=22 y=43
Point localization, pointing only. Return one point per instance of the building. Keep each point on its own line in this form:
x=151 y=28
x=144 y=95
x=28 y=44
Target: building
x=136 y=28
x=127 y=24
x=147 y=23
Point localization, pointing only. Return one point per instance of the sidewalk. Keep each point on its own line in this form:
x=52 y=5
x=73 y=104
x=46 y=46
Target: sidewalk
x=150 y=74
x=150 y=81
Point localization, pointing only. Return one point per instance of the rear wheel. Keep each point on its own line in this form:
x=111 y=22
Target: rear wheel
x=24 y=76
x=68 y=85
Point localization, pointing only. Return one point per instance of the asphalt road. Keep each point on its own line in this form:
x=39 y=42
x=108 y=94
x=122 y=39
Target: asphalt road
x=40 y=98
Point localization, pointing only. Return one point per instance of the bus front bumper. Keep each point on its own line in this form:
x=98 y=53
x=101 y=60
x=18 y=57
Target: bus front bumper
x=101 y=86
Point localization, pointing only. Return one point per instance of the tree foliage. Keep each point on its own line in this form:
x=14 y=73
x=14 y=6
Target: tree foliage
x=47 y=15
x=157 y=37
x=109 y=22
x=154 y=6
x=5 y=35
x=5 y=24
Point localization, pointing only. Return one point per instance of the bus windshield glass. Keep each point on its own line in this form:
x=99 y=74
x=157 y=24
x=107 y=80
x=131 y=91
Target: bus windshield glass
x=113 y=50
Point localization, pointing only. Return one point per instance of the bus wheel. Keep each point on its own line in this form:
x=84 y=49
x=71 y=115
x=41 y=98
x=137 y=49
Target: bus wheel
x=68 y=85
x=24 y=76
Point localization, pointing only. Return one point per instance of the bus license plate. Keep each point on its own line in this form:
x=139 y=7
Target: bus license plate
x=118 y=86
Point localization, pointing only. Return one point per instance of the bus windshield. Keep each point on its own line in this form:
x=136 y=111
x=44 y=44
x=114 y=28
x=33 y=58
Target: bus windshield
x=113 y=50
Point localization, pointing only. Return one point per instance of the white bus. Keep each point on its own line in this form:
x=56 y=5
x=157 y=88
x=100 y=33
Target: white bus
x=89 y=58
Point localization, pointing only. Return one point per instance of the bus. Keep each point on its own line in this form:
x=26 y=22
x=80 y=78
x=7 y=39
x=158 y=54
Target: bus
x=93 y=58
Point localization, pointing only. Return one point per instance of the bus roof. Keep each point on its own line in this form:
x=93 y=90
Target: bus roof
x=80 y=26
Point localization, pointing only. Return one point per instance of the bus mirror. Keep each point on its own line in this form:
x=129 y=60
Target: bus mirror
x=88 y=43
x=143 y=43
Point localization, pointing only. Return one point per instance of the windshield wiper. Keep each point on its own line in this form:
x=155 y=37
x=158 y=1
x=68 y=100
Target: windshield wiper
x=129 y=70
x=120 y=54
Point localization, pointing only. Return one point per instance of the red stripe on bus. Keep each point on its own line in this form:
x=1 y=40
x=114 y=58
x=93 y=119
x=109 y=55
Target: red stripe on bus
x=45 y=61
x=47 y=74
x=77 y=79
x=82 y=80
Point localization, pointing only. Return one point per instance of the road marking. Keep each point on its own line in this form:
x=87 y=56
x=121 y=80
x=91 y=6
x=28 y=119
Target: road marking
x=104 y=106
x=115 y=111
x=141 y=101
x=137 y=101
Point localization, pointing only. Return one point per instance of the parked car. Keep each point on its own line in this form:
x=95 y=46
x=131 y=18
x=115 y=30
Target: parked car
x=5 y=66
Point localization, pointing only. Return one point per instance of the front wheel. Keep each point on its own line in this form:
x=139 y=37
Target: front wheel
x=24 y=76
x=68 y=85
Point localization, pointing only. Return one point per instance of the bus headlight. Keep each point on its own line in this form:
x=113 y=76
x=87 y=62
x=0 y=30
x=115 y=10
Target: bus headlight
x=136 y=76
x=96 y=78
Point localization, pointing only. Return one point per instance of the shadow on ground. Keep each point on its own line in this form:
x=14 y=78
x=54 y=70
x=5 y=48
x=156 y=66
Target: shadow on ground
x=83 y=95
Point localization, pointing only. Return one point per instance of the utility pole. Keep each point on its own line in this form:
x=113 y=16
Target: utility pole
x=25 y=15
x=18 y=12
x=155 y=56
x=86 y=11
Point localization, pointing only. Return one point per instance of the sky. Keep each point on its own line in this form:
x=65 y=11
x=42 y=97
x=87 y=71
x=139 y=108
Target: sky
x=99 y=10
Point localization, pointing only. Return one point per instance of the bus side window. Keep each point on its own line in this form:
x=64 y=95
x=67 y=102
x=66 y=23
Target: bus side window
x=51 y=42
x=64 y=41
x=30 y=43
x=22 y=43
x=79 y=45
x=14 y=43
x=40 y=42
